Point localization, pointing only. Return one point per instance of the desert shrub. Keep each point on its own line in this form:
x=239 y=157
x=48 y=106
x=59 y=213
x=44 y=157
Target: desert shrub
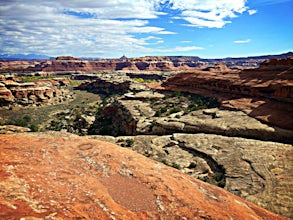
x=129 y=142
x=176 y=166
x=164 y=109
x=34 y=128
x=174 y=110
x=177 y=94
x=139 y=80
x=218 y=176
x=192 y=165
x=158 y=113
x=164 y=161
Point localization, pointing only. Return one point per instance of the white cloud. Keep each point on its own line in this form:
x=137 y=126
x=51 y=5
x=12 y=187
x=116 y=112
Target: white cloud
x=252 y=11
x=186 y=41
x=209 y=13
x=177 y=49
x=102 y=28
x=242 y=41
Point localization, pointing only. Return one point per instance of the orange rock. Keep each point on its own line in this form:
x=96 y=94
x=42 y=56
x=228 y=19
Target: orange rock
x=69 y=177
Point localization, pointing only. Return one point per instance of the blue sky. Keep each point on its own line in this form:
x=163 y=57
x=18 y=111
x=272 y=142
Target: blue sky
x=89 y=28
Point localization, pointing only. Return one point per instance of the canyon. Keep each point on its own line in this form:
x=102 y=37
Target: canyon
x=225 y=125
x=264 y=93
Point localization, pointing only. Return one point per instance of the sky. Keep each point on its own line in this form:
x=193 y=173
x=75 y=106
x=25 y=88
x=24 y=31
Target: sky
x=137 y=28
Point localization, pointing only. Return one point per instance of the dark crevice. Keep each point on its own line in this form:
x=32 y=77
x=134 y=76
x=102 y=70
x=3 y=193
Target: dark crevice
x=218 y=170
x=253 y=169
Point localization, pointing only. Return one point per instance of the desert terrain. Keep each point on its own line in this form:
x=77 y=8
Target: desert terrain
x=147 y=138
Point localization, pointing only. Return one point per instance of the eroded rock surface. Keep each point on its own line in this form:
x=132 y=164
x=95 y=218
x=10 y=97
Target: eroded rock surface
x=264 y=93
x=133 y=117
x=34 y=93
x=258 y=171
x=224 y=122
x=68 y=177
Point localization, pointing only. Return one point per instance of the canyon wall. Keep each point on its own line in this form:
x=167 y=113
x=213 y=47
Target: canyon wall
x=39 y=92
x=265 y=93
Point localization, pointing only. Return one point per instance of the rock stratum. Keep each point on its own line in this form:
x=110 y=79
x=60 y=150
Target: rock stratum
x=265 y=93
x=46 y=91
x=148 y=63
x=54 y=176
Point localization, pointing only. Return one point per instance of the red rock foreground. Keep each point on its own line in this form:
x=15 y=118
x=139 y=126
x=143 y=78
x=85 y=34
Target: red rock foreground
x=67 y=177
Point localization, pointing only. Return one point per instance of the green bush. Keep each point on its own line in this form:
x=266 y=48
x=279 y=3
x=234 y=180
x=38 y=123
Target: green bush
x=174 y=110
x=129 y=142
x=176 y=166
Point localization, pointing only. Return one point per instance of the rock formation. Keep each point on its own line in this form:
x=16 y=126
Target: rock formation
x=263 y=178
x=57 y=177
x=32 y=93
x=108 y=85
x=133 y=115
x=264 y=93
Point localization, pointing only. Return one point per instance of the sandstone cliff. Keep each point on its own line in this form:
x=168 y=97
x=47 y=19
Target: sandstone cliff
x=72 y=178
x=265 y=93
x=37 y=93
x=67 y=63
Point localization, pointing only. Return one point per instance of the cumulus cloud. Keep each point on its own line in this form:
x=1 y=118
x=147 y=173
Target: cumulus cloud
x=211 y=13
x=102 y=28
x=242 y=41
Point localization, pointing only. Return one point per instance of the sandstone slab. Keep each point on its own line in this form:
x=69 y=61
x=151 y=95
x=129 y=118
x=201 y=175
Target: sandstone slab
x=67 y=177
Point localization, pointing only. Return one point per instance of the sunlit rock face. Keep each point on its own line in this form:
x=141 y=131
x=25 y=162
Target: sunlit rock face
x=68 y=177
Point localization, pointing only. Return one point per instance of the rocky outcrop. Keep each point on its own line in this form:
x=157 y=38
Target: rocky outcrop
x=8 y=129
x=124 y=117
x=224 y=122
x=106 y=86
x=33 y=93
x=269 y=85
x=132 y=115
x=258 y=171
x=59 y=177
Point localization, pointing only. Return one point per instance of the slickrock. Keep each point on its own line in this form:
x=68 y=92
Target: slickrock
x=133 y=117
x=68 y=177
x=258 y=171
x=224 y=122
x=7 y=129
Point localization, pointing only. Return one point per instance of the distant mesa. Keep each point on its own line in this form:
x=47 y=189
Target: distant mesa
x=148 y=63
x=66 y=58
